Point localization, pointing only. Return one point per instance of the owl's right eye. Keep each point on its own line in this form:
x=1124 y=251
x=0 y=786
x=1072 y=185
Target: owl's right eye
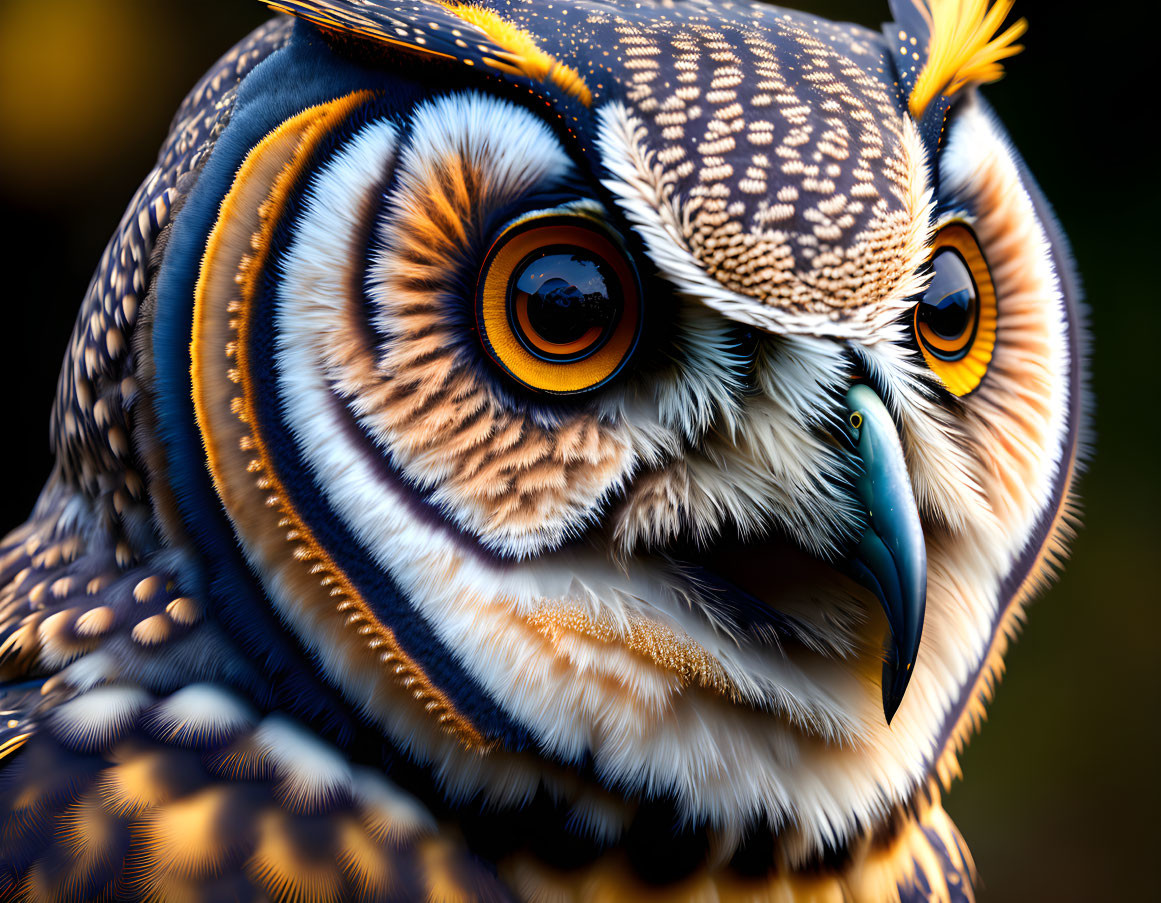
x=559 y=305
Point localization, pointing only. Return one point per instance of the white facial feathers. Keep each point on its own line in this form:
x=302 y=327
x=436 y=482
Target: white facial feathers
x=467 y=494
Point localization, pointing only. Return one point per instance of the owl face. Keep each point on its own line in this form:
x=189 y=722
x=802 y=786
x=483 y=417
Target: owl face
x=639 y=400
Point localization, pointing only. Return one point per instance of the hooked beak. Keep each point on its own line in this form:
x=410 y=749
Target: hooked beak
x=890 y=557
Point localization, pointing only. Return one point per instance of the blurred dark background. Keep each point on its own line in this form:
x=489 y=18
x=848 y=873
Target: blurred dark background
x=1061 y=795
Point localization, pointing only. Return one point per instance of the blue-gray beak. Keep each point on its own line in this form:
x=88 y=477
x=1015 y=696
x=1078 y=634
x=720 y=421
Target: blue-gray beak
x=890 y=558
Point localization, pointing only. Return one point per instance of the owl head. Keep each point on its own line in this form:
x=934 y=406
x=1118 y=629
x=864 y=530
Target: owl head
x=639 y=401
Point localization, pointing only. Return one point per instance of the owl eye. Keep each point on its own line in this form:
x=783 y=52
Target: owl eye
x=559 y=304
x=955 y=320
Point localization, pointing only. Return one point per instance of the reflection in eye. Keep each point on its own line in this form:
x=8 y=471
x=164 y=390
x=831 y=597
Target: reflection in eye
x=949 y=310
x=955 y=320
x=559 y=304
x=563 y=303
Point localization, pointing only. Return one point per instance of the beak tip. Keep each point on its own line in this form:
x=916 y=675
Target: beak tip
x=895 y=681
x=890 y=557
x=890 y=705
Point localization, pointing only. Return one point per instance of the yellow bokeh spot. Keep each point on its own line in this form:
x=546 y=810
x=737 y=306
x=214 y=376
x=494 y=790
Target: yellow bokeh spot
x=72 y=74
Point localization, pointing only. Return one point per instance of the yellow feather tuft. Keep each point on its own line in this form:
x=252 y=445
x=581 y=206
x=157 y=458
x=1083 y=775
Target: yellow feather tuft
x=964 y=48
x=522 y=55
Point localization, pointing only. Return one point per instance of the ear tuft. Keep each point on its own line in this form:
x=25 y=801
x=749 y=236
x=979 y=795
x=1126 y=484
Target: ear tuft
x=964 y=47
x=452 y=30
x=519 y=53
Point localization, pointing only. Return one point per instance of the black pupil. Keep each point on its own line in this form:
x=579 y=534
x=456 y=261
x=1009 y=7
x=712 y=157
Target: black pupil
x=568 y=293
x=948 y=307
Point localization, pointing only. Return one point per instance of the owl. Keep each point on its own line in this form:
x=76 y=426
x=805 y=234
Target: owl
x=578 y=451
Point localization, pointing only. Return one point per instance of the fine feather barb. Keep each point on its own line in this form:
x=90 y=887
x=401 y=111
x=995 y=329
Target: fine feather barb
x=965 y=48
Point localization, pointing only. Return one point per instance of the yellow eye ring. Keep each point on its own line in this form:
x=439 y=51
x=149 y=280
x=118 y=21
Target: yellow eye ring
x=955 y=321
x=559 y=304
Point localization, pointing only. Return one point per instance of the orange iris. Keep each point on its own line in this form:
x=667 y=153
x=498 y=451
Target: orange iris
x=559 y=304
x=955 y=321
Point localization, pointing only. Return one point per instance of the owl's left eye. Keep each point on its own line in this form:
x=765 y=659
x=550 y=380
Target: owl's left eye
x=955 y=320
x=559 y=304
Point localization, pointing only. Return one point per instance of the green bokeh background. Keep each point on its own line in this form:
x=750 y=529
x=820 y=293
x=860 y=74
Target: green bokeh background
x=1061 y=794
